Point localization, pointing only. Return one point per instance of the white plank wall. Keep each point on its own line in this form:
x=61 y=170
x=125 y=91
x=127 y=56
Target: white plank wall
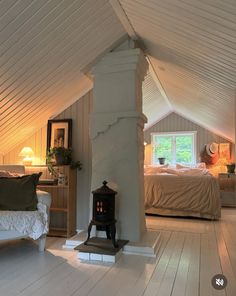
x=79 y=112
x=37 y=142
x=173 y=123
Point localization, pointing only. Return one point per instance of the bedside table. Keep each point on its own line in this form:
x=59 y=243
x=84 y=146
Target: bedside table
x=63 y=206
x=227 y=183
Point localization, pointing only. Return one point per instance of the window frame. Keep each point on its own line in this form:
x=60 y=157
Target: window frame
x=173 y=135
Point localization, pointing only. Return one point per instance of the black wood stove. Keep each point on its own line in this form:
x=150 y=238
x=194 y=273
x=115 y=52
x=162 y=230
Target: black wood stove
x=104 y=212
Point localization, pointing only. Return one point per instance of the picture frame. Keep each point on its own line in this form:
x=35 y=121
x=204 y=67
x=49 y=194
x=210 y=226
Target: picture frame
x=224 y=151
x=59 y=133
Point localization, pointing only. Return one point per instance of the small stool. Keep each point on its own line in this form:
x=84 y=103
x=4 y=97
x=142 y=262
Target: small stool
x=110 y=230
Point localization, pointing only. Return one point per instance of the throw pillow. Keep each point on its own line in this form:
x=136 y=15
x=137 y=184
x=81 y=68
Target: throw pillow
x=19 y=193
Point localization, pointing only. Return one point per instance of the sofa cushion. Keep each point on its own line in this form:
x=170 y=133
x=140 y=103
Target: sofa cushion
x=19 y=193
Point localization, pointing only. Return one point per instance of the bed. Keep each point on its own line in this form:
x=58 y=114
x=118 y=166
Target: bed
x=179 y=194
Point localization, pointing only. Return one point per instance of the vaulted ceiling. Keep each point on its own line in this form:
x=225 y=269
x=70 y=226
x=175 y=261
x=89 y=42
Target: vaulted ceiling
x=192 y=48
x=46 y=46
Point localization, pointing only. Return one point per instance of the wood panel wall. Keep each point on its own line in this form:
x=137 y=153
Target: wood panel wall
x=79 y=112
x=174 y=123
x=37 y=142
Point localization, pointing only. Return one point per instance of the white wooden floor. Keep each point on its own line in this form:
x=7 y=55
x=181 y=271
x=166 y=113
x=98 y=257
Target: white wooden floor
x=191 y=253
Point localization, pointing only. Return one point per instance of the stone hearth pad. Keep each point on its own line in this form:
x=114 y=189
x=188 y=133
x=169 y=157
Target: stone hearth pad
x=103 y=246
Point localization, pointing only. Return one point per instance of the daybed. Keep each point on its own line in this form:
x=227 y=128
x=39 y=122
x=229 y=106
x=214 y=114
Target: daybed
x=178 y=193
x=21 y=224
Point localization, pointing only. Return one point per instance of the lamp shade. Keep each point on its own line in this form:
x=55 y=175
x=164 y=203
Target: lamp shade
x=26 y=151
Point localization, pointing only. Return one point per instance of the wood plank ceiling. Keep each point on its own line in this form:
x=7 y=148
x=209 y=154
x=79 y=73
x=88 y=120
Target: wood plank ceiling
x=192 y=47
x=154 y=105
x=45 y=45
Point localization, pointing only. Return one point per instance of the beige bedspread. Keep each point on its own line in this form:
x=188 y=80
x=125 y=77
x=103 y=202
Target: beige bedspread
x=197 y=196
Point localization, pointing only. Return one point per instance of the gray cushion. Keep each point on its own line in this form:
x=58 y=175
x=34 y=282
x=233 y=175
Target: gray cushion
x=19 y=193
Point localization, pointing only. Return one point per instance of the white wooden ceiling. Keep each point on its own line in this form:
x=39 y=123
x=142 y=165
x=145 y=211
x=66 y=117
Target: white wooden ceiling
x=192 y=47
x=46 y=45
x=154 y=105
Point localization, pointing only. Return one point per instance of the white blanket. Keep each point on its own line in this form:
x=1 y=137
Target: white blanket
x=30 y=223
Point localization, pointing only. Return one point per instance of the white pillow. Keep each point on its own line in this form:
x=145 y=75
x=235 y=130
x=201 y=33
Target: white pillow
x=181 y=166
x=153 y=170
x=193 y=172
x=171 y=171
x=199 y=165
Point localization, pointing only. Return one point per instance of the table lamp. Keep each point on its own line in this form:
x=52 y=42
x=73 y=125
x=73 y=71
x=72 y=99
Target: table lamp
x=27 y=153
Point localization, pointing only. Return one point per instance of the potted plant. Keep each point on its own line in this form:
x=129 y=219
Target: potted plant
x=60 y=156
x=230 y=168
x=161 y=160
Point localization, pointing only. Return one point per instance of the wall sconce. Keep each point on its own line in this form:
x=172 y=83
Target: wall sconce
x=27 y=153
x=144 y=143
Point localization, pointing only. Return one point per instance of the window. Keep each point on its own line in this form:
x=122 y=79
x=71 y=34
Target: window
x=177 y=147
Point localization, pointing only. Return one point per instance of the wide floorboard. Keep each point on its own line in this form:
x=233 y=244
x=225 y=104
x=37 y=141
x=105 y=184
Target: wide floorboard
x=191 y=253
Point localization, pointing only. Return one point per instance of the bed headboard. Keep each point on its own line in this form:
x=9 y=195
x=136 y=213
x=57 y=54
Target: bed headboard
x=13 y=168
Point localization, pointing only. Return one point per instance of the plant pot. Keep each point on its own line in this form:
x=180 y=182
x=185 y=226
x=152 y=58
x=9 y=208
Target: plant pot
x=60 y=160
x=230 y=168
x=161 y=160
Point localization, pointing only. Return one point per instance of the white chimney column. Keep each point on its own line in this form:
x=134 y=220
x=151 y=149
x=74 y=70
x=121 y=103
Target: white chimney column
x=116 y=131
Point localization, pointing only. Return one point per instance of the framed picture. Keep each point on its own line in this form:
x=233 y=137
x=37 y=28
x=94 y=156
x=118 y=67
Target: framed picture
x=224 y=150
x=59 y=133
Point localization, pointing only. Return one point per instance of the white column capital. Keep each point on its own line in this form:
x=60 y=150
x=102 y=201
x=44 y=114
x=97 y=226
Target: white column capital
x=118 y=80
x=122 y=61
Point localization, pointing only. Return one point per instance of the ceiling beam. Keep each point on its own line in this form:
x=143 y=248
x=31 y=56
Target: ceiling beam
x=122 y=16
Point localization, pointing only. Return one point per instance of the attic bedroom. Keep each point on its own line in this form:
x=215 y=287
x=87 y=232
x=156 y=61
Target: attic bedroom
x=140 y=97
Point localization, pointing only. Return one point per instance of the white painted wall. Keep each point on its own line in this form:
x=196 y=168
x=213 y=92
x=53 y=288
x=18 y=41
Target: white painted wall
x=79 y=112
x=173 y=123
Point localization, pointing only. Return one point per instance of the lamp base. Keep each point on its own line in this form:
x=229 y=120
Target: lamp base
x=27 y=162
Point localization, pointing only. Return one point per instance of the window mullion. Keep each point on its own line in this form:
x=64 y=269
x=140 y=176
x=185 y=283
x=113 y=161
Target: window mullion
x=174 y=150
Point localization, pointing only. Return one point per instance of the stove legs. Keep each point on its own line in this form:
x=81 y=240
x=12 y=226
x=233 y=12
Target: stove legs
x=89 y=231
x=113 y=235
x=110 y=229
